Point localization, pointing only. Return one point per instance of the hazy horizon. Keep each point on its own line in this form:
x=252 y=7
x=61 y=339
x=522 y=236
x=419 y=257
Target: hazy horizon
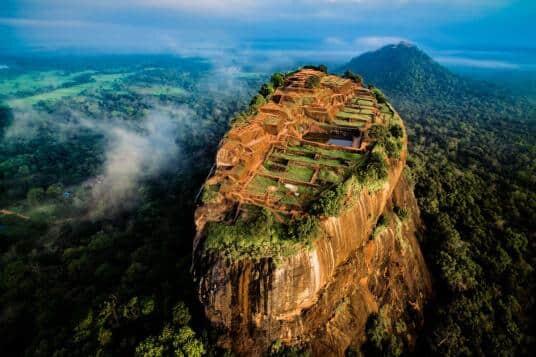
x=458 y=33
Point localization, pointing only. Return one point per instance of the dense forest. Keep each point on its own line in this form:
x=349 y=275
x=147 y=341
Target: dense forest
x=84 y=275
x=473 y=163
x=79 y=278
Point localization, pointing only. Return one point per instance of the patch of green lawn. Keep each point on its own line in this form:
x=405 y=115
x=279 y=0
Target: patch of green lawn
x=355 y=124
x=354 y=116
x=99 y=81
x=307 y=160
x=259 y=185
x=299 y=173
x=34 y=82
x=329 y=175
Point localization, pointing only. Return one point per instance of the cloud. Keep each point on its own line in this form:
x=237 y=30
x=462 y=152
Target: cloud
x=477 y=63
x=238 y=8
x=135 y=155
x=201 y=6
x=384 y=3
x=24 y=127
x=335 y=41
x=43 y=23
x=147 y=25
x=373 y=42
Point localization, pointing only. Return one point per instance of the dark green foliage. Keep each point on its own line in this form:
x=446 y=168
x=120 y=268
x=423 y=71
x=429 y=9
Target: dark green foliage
x=279 y=350
x=35 y=196
x=277 y=80
x=373 y=169
x=304 y=229
x=54 y=192
x=404 y=67
x=257 y=101
x=393 y=148
x=353 y=76
x=266 y=90
x=5 y=117
x=396 y=131
x=380 y=97
x=321 y=68
x=469 y=159
x=171 y=342
x=385 y=138
x=378 y=132
x=260 y=235
x=210 y=193
x=381 y=337
x=330 y=201
x=312 y=82
x=181 y=315
x=471 y=196
x=458 y=270
x=257 y=236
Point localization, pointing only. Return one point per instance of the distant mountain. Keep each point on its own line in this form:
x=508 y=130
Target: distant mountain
x=405 y=73
x=403 y=69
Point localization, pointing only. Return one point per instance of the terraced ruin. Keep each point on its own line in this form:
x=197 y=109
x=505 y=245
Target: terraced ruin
x=298 y=224
x=298 y=144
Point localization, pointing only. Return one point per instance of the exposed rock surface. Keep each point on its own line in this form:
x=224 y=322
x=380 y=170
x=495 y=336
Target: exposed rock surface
x=322 y=296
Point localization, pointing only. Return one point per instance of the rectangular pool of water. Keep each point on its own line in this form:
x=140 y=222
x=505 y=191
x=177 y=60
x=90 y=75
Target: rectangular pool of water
x=340 y=142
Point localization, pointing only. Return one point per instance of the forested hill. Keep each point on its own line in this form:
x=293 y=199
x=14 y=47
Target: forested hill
x=472 y=156
x=403 y=70
x=402 y=67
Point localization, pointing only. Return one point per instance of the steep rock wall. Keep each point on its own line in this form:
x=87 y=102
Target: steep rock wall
x=323 y=296
x=388 y=271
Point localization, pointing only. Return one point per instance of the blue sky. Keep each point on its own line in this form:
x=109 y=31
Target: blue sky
x=480 y=33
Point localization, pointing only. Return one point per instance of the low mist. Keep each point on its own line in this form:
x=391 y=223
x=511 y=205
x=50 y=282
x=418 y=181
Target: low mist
x=133 y=152
x=134 y=155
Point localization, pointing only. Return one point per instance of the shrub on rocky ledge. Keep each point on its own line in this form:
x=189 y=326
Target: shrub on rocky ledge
x=312 y=82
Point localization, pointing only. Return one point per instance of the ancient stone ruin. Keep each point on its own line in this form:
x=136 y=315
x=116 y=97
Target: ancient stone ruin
x=284 y=155
x=298 y=237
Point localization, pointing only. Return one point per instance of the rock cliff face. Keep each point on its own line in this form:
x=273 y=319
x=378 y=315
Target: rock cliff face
x=322 y=296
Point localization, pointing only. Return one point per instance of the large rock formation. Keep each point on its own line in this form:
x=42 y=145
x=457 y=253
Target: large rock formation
x=321 y=293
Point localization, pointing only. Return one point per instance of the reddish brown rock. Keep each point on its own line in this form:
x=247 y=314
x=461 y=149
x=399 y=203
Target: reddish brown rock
x=322 y=297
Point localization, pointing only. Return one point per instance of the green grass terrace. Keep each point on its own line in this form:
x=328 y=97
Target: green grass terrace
x=292 y=176
x=357 y=113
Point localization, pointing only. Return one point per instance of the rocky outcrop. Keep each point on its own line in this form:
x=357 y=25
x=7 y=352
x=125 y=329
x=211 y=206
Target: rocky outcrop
x=386 y=271
x=322 y=296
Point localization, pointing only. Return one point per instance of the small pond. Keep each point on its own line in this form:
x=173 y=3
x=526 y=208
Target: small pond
x=341 y=141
